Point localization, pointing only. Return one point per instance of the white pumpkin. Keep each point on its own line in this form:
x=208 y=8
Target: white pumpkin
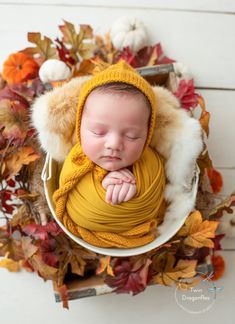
x=182 y=71
x=129 y=31
x=54 y=70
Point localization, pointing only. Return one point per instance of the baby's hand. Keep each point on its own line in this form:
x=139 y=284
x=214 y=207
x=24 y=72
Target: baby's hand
x=120 y=186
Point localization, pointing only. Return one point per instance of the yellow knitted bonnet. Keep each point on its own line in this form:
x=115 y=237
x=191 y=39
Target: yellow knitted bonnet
x=123 y=73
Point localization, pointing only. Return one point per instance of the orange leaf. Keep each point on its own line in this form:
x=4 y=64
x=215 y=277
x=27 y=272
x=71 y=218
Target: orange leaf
x=63 y=291
x=171 y=273
x=197 y=231
x=205 y=116
x=216 y=180
x=11 y=265
x=23 y=156
x=104 y=264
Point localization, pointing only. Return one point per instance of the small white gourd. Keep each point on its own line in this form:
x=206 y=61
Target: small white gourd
x=129 y=31
x=54 y=70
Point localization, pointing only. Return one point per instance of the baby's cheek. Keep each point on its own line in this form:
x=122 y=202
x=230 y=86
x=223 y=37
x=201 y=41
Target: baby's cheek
x=135 y=149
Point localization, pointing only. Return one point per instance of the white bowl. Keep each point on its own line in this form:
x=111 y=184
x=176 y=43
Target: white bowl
x=50 y=177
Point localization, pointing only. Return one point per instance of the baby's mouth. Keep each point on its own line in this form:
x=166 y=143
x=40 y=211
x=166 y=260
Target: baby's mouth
x=111 y=158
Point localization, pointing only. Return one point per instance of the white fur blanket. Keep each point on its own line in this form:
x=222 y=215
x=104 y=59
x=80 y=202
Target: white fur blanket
x=177 y=137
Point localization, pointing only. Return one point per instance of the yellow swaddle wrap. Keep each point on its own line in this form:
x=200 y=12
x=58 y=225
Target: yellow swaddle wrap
x=80 y=199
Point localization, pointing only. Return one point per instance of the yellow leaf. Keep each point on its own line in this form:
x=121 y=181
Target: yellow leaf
x=105 y=265
x=205 y=116
x=76 y=40
x=43 y=47
x=198 y=232
x=172 y=274
x=11 y=265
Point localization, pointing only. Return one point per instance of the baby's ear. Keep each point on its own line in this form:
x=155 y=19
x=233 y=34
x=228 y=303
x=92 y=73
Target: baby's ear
x=53 y=116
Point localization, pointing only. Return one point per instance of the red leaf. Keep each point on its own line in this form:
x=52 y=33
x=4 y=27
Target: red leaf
x=11 y=183
x=50 y=258
x=129 y=276
x=216 y=180
x=64 y=53
x=127 y=55
x=9 y=93
x=38 y=232
x=5 y=196
x=217 y=240
x=53 y=228
x=186 y=94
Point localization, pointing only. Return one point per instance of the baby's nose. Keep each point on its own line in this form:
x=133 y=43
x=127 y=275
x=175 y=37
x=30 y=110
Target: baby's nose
x=114 y=142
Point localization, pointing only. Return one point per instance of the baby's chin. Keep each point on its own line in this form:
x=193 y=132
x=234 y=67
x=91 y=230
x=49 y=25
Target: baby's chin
x=112 y=165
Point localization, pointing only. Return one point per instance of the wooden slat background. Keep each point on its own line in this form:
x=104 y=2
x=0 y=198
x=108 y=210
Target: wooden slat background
x=198 y=33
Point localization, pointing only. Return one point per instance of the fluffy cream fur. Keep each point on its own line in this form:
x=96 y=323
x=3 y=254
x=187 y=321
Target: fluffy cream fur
x=177 y=137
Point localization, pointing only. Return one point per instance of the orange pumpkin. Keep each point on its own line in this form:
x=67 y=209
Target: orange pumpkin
x=19 y=67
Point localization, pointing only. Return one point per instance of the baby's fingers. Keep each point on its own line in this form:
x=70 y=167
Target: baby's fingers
x=123 y=192
x=109 y=193
x=115 y=194
x=131 y=192
x=128 y=175
x=110 y=181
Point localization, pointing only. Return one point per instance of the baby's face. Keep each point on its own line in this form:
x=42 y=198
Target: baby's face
x=114 y=129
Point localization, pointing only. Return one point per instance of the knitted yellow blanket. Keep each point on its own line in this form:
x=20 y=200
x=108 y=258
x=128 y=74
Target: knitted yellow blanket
x=80 y=202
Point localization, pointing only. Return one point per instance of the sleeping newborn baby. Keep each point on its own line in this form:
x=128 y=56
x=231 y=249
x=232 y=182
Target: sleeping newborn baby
x=112 y=183
x=114 y=129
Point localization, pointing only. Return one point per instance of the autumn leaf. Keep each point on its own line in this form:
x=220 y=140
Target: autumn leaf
x=104 y=264
x=76 y=40
x=127 y=55
x=10 y=244
x=204 y=162
x=130 y=275
x=198 y=233
x=186 y=94
x=64 y=53
x=63 y=291
x=224 y=207
x=25 y=195
x=86 y=67
x=45 y=271
x=172 y=273
x=205 y=115
x=13 y=120
x=71 y=255
x=22 y=217
x=37 y=231
x=151 y=55
x=104 y=50
x=10 y=265
x=28 y=247
x=43 y=47
x=14 y=96
x=216 y=180
x=14 y=162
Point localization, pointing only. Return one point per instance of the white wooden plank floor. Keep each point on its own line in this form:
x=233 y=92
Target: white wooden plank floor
x=25 y=298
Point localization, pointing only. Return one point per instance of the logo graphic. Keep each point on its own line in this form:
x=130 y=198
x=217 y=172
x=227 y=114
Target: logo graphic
x=200 y=298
